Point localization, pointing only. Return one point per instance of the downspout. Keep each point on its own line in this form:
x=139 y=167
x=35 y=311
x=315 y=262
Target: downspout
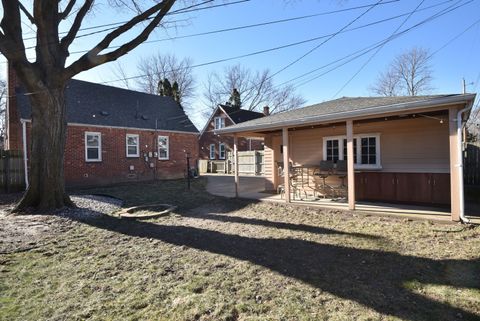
x=460 y=162
x=25 y=160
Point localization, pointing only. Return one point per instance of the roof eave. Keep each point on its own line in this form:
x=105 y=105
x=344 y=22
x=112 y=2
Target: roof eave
x=340 y=116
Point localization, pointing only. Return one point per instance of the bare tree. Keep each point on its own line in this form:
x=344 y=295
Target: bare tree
x=409 y=74
x=158 y=67
x=45 y=78
x=387 y=84
x=256 y=90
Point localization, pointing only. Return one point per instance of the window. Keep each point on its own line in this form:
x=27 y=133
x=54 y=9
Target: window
x=366 y=150
x=221 y=151
x=132 y=142
x=212 y=151
x=219 y=122
x=93 y=147
x=332 y=151
x=163 y=148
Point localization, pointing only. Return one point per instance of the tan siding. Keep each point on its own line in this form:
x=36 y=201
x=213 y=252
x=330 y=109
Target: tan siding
x=411 y=145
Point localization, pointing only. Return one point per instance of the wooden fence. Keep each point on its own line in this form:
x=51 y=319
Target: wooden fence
x=12 y=172
x=249 y=163
x=471 y=167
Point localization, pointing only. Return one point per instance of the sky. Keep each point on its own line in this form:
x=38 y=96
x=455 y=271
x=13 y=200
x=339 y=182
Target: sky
x=317 y=42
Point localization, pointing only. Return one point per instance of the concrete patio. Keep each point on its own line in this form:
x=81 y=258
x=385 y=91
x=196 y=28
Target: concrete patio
x=253 y=187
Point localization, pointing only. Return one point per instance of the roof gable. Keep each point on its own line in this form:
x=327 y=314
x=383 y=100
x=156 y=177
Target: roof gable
x=100 y=105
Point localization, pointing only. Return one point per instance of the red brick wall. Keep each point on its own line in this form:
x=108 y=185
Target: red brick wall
x=115 y=165
x=208 y=137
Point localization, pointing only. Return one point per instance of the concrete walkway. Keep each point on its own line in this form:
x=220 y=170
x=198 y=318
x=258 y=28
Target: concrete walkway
x=253 y=187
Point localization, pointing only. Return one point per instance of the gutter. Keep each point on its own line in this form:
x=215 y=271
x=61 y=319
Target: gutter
x=460 y=161
x=24 y=143
x=339 y=116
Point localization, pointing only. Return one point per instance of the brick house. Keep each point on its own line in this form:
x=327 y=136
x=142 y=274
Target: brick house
x=213 y=146
x=114 y=135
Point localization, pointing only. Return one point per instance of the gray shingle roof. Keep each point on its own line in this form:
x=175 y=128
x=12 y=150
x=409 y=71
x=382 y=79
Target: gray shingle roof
x=241 y=115
x=101 y=105
x=337 y=109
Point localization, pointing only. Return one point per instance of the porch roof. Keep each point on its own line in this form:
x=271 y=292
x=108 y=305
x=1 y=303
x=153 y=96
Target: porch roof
x=347 y=108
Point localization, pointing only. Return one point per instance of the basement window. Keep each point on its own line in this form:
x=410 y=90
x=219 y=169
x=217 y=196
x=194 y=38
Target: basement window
x=132 y=144
x=93 y=147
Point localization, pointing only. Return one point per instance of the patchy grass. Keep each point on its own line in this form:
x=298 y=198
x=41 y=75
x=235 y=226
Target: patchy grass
x=219 y=259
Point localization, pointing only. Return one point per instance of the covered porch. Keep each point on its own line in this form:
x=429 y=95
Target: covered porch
x=253 y=188
x=390 y=160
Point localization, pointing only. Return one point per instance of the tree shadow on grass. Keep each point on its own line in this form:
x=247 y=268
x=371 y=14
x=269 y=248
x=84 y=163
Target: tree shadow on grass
x=373 y=278
x=279 y=225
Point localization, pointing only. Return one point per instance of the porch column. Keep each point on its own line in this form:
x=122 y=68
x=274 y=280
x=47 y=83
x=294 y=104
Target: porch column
x=286 y=164
x=454 y=165
x=235 y=159
x=350 y=169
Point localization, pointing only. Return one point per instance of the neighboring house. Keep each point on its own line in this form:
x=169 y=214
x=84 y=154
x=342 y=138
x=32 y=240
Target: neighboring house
x=214 y=147
x=400 y=149
x=113 y=135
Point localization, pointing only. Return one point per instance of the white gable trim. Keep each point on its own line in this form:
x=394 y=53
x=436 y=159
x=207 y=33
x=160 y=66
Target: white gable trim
x=219 y=107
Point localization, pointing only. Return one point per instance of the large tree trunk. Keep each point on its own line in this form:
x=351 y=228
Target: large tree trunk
x=47 y=146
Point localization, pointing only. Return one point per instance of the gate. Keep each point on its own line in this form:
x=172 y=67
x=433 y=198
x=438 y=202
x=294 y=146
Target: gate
x=12 y=171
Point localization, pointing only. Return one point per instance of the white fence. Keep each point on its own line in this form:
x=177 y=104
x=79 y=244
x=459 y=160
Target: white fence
x=249 y=163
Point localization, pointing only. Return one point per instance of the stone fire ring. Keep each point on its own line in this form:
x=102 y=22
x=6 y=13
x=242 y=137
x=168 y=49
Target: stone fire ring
x=131 y=212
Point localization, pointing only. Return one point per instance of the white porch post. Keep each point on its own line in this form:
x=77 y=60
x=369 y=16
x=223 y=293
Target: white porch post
x=286 y=163
x=235 y=159
x=350 y=169
x=454 y=165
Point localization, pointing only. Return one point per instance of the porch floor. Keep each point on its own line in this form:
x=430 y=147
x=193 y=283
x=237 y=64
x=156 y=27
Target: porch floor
x=253 y=187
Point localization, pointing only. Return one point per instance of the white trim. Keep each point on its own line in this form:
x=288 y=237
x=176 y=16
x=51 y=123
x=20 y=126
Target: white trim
x=25 y=158
x=360 y=114
x=120 y=127
x=219 y=107
x=167 y=148
x=93 y=160
x=208 y=121
x=137 y=145
x=222 y=122
x=210 y=151
x=220 y=145
x=358 y=137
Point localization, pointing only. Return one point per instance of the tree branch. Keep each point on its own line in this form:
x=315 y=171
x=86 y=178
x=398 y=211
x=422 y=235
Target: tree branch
x=92 y=59
x=72 y=33
x=63 y=15
x=25 y=11
x=11 y=42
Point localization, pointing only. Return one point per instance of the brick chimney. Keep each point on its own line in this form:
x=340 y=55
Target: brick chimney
x=266 y=110
x=13 y=132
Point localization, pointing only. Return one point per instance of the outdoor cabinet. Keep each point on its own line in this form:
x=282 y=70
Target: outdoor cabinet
x=413 y=188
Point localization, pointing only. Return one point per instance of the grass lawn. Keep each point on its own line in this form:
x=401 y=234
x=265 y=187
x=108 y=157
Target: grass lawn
x=224 y=259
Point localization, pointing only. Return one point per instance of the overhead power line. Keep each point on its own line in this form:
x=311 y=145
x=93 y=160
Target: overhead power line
x=378 y=50
x=357 y=54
